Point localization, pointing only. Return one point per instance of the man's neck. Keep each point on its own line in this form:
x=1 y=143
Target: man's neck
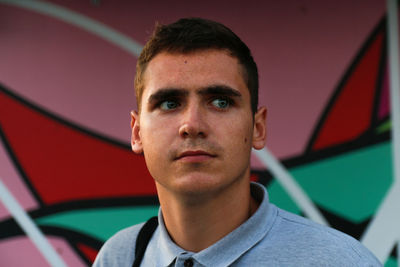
x=196 y=225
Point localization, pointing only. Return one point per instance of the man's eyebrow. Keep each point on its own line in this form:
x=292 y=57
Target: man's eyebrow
x=222 y=90
x=166 y=93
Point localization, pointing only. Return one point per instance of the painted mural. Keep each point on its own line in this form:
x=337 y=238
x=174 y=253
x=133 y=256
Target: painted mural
x=66 y=89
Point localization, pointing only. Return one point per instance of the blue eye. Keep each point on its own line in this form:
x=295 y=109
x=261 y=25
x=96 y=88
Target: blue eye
x=221 y=103
x=169 y=104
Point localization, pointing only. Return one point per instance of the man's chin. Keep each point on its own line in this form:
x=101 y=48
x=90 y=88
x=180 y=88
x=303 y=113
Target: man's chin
x=197 y=186
x=193 y=186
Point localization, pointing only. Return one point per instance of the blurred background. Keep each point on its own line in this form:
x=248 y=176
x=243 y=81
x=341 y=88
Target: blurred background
x=66 y=90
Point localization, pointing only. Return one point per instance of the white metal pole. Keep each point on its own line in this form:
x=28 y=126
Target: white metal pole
x=393 y=45
x=393 y=48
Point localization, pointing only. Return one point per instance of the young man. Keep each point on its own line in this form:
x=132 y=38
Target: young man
x=197 y=121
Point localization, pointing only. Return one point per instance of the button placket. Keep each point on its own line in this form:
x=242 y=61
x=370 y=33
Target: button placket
x=188 y=263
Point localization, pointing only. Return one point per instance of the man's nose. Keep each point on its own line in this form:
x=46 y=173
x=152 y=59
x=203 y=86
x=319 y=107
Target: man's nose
x=194 y=124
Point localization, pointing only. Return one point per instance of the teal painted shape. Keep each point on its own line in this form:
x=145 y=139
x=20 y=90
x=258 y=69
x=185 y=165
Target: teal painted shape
x=351 y=185
x=278 y=196
x=100 y=223
x=391 y=262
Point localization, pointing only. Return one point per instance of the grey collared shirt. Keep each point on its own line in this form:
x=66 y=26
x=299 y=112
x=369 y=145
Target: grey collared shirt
x=271 y=237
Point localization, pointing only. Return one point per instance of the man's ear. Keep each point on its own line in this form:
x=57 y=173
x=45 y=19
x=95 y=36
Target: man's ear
x=136 y=141
x=260 y=128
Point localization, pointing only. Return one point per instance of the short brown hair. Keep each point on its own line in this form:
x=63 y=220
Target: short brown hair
x=192 y=34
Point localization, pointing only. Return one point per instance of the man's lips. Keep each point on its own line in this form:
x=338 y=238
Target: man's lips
x=195 y=156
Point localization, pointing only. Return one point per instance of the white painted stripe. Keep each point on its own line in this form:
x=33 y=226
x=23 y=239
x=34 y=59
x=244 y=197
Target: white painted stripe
x=290 y=185
x=383 y=232
x=30 y=227
x=81 y=21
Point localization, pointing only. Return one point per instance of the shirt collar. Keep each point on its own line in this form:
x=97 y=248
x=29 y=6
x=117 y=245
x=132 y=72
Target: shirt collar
x=167 y=249
x=232 y=246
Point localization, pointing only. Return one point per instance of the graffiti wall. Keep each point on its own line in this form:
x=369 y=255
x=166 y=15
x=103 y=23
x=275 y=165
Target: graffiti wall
x=66 y=90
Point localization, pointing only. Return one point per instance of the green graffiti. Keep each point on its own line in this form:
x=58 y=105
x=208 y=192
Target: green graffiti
x=350 y=185
x=391 y=262
x=100 y=223
x=384 y=127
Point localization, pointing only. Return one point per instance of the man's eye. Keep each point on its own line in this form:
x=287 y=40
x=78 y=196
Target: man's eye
x=221 y=103
x=168 y=105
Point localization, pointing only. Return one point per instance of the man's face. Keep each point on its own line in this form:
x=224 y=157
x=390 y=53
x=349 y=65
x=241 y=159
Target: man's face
x=195 y=125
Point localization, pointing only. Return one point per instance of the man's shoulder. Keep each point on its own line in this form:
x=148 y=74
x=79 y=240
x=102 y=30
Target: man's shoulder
x=295 y=225
x=120 y=248
x=312 y=241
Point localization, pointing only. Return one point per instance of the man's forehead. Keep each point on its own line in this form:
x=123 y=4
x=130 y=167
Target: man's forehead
x=199 y=69
x=195 y=57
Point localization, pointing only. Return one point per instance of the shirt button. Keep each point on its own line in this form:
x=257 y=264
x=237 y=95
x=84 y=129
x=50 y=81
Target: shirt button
x=188 y=263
